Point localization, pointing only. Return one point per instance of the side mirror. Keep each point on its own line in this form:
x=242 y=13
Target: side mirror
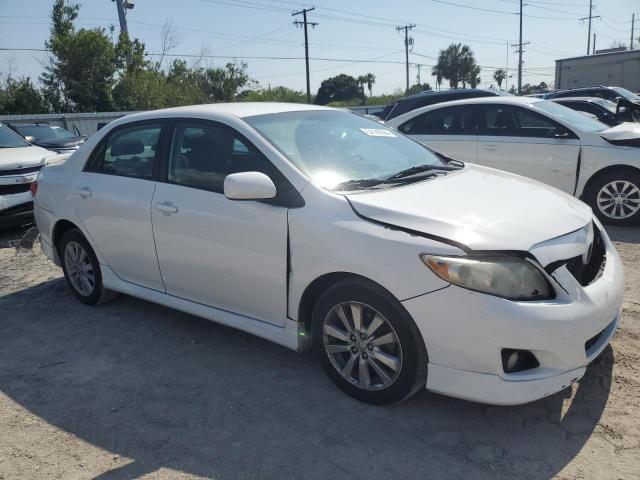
x=30 y=139
x=562 y=133
x=249 y=186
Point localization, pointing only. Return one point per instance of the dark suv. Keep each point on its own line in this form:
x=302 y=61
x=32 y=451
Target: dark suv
x=46 y=135
x=429 y=97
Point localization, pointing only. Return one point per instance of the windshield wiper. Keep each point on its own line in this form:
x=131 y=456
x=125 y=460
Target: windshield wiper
x=408 y=172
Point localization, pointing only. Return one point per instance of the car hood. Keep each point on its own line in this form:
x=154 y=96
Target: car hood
x=60 y=142
x=23 y=157
x=477 y=207
x=624 y=131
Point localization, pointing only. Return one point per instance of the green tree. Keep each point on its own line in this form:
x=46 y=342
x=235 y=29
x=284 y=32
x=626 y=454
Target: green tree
x=455 y=63
x=473 y=76
x=339 y=88
x=275 y=94
x=224 y=84
x=419 y=87
x=81 y=71
x=20 y=97
x=368 y=79
x=499 y=76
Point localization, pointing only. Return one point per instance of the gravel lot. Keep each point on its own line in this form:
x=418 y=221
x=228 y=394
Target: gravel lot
x=135 y=390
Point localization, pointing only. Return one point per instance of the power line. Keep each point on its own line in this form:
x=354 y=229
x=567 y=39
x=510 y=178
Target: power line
x=591 y=16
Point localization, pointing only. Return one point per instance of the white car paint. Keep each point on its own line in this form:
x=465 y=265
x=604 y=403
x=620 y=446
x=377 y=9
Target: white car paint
x=550 y=160
x=19 y=167
x=247 y=264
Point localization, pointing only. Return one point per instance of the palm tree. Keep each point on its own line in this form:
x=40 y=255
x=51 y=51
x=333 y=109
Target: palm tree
x=455 y=63
x=499 y=76
x=438 y=74
x=474 y=76
x=370 y=79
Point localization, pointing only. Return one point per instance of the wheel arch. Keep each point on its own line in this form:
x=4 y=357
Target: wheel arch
x=59 y=229
x=611 y=168
x=321 y=284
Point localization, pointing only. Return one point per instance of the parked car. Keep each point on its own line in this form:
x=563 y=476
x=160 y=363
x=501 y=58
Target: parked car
x=602 y=110
x=627 y=102
x=51 y=137
x=430 y=97
x=309 y=225
x=19 y=166
x=542 y=140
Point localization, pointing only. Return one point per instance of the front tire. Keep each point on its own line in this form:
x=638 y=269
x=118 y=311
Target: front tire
x=82 y=269
x=615 y=197
x=368 y=343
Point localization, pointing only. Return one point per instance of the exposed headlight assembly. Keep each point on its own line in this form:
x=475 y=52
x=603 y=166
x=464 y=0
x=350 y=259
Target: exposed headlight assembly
x=500 y=275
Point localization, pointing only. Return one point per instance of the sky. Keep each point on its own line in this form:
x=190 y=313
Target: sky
x=354 y=37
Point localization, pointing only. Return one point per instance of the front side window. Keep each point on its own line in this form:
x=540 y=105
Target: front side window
x=334 y=147
x=443 y=121
x=581 y=122
x=204 y=153
x=128 y=152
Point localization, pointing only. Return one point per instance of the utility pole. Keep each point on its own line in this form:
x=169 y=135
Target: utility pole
x=407 y=41
x=633 y=22
x=520 y=54
x=418 y=65
x=304 y=23
x=506 y=71
x=123 y=6
x=590 y=17
x=594 y=43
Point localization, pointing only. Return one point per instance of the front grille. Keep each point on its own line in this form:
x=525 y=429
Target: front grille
x=20 y=171
x=586 y=273
x=14 y=188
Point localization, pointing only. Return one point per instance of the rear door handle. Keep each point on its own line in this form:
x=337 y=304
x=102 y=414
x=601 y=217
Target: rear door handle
x=84 y=192
x=167 y=208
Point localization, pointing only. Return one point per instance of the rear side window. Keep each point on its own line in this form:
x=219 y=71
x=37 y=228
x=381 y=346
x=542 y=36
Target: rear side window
x=443 y=121
x=203 y=154
x=129 y=152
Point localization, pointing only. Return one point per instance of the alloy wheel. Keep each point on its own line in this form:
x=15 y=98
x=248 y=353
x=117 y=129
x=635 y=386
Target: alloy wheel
x=619 y=199
x=362 y=346
x=79 y=268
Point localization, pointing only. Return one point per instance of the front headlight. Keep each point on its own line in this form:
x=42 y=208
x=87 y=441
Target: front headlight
x=501 y=275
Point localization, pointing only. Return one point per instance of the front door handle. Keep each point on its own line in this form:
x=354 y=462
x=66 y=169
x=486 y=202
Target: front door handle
x=84 y=192
x=167 y=208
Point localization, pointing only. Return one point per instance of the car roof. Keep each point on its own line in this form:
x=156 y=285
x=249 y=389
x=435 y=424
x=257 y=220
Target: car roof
x=578 y=99
x=239 y=110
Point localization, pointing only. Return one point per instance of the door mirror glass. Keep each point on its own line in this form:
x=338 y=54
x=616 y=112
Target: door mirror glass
x=30 y=139
x=249 y=186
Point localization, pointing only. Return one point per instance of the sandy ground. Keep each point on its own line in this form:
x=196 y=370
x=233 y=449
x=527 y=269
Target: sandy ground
x=135 y=390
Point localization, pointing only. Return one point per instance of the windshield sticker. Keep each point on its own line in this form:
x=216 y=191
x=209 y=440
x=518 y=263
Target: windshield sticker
x=378 y=132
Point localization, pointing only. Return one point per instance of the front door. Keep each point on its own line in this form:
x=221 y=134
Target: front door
x=112 y=197
x=521 y=141
x=223 y=253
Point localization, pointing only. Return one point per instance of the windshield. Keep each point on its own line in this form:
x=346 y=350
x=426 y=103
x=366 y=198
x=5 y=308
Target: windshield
x=578 y=120
x=608 y=104
x=10 y=139
x=623 y=92
x=43 y=132
x=334 y=147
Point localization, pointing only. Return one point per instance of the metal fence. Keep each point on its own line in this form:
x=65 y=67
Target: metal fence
x=89 y=123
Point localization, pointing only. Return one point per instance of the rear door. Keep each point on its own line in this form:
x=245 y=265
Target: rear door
x=521 y=141
x=112 y=196
x=450 y=131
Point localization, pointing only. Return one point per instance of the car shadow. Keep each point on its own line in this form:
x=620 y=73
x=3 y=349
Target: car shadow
x=624 y=234
x=166 y=389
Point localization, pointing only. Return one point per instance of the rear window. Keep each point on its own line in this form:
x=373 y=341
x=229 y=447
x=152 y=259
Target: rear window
x=10 y=139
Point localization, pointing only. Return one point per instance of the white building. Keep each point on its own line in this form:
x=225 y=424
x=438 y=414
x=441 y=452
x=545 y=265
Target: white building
x=620 y=69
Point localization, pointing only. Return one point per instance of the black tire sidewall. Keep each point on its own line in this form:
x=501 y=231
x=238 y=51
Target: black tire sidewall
x=414 y=357
x=591 y=196
x=76 y=236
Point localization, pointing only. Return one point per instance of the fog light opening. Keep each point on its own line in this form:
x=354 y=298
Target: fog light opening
x=518 y=360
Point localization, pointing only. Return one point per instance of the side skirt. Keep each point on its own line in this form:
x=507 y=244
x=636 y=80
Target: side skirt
x=287 y=336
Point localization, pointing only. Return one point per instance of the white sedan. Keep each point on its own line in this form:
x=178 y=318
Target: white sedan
x=310 y=226
x=542 y=140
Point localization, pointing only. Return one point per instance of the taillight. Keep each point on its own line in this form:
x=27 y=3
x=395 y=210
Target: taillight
x=34 y=188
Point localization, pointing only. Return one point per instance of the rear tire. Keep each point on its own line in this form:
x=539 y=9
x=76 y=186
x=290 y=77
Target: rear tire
x=615 y=197
x=82 y=269
x=368 y=343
